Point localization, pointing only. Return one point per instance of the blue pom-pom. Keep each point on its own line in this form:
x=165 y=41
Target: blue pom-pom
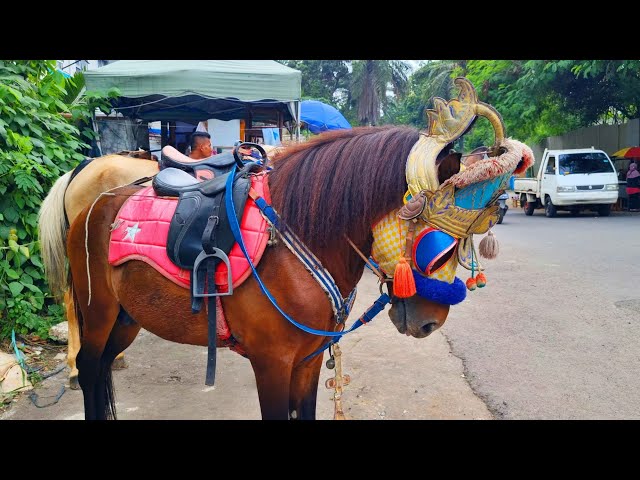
x=439 y=291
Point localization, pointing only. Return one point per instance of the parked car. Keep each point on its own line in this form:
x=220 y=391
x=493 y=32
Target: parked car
x=573 y=180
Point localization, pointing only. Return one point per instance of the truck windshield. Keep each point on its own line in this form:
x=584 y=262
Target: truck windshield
x=596 y=162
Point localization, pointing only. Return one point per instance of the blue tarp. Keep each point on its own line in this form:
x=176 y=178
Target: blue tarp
x=320 y=117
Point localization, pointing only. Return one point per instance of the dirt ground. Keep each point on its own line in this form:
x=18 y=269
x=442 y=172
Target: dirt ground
x=392 y=377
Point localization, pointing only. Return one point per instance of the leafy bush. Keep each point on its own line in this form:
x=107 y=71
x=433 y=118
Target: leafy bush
x=39 y=141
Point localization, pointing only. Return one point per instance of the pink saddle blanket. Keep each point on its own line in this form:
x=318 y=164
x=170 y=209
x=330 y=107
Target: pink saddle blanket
x=142 y=225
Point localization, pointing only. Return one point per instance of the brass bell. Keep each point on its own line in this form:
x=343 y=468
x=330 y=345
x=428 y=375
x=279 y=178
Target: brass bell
x=331 y=363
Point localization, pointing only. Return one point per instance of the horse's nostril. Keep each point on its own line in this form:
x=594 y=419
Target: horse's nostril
x=429 y=327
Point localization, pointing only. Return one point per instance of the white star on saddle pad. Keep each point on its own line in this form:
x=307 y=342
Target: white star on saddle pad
x=132 y=232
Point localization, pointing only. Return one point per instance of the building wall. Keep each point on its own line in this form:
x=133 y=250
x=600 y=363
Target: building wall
x=121 y=133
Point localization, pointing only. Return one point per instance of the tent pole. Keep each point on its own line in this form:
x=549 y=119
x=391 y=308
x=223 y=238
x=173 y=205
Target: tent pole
x=164 y=134
x=298 y=108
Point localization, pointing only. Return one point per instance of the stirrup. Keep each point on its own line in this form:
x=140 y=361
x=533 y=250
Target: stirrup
x=217 y=253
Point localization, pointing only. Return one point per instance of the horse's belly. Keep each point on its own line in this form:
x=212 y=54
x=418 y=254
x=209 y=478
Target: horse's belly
x=164 y=308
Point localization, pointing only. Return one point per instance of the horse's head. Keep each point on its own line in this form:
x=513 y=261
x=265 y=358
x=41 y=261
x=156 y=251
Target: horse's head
x=422 y=243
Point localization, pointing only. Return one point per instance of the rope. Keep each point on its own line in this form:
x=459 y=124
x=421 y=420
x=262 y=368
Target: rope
x=19 y=355
x=86 y=230
x=383 y=278
x=34 y=398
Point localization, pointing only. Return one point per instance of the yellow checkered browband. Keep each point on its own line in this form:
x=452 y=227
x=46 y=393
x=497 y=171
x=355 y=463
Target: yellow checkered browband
x=447 y=122
x=389 y=239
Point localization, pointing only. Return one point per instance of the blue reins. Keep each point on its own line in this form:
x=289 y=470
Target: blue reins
x=304 y=254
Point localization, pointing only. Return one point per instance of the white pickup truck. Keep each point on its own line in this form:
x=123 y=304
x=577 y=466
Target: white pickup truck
x=573 y=180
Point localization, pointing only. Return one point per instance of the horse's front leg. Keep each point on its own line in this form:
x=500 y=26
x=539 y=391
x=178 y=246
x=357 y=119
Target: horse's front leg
x=273 y=376
x=304 y=389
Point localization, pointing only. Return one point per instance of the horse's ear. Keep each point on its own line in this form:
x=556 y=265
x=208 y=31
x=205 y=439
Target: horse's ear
x=449 y=166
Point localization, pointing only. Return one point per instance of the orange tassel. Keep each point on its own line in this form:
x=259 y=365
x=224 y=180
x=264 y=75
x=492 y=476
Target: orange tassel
x=471 y=284
x=481 y=280
x=404 y=285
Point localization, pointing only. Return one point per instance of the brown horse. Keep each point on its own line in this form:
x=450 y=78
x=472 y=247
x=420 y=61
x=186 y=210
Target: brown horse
x=76 y=193
x=338 y=184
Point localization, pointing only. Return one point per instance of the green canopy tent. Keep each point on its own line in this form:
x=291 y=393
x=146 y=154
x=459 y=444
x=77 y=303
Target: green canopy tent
x=197 y=90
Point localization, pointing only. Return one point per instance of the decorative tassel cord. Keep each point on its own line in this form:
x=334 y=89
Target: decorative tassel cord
x=86 y=232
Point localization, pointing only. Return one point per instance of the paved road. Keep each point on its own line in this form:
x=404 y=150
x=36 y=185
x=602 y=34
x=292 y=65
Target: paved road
x=556 y=332
x=393 y=377
x=554 y=335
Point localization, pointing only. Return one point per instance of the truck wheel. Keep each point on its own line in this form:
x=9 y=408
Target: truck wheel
x=550 y=209
x=604 y=210
x=529 y=207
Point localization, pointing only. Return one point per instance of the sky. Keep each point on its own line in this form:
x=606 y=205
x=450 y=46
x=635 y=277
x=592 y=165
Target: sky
x=415 y=64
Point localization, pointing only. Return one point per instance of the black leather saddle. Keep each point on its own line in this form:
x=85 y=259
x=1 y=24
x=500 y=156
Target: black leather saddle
x=201 y=204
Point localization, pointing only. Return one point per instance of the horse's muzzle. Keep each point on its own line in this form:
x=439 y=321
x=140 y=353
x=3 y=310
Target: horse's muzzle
x=416 y=320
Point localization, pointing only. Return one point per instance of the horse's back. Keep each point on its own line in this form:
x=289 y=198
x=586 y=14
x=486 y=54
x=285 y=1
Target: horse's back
x=103 y=174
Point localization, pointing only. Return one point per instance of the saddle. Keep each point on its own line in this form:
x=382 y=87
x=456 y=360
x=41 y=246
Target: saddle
x=200 y=235
x=200 y=204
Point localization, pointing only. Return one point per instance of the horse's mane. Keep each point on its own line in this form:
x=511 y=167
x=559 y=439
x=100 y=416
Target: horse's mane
x=340 y=182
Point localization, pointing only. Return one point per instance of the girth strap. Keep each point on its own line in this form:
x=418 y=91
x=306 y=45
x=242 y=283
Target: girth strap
x=211 y=318
x=210 y=256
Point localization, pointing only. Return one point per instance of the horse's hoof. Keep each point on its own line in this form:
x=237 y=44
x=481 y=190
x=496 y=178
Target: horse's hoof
x=119 y=364
x=73 y=383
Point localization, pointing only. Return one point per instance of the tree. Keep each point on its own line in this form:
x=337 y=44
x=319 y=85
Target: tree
x=370 y=83
x=323 y=80
x=539 y=98
x=433 y=79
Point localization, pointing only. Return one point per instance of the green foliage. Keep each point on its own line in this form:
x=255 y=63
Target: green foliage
x=369 y=85
x=358 y=89
x=38 y=143
x=327 y=81
x=323 y=80
x=539 y=98
x=536 y=98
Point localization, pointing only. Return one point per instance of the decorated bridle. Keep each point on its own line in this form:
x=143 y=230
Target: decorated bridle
x=423 y=241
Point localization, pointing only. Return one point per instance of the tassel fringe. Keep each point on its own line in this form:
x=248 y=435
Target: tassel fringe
x=471 y=284
x=404 y=285
x=489 y=246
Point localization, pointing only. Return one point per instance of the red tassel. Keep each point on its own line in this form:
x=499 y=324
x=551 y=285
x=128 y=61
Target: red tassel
x=481 y=280
x=404 y=285
x=471 y=283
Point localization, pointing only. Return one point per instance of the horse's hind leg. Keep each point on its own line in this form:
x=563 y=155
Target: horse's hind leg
x=94 y=372
x=74 y=339
x=304 y=389
x=122 y=335
x=74 y=342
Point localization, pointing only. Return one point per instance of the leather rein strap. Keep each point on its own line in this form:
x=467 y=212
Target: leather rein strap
x=381 y=276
